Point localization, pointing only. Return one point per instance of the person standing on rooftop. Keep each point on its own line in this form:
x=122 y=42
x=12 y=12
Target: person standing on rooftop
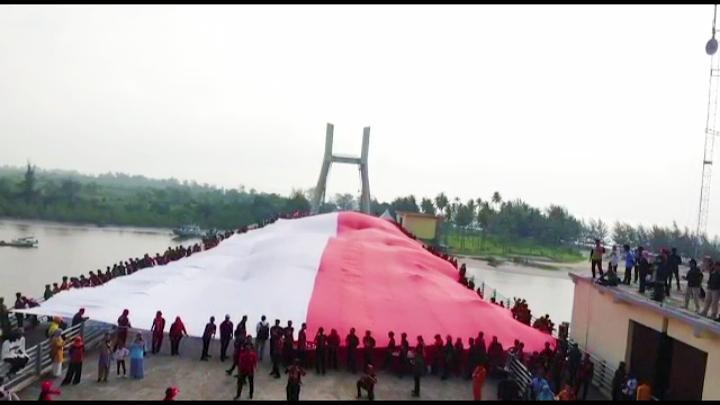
x=596 y=254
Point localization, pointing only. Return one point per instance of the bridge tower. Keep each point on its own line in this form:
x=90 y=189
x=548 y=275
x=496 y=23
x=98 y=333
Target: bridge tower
x=330 y=158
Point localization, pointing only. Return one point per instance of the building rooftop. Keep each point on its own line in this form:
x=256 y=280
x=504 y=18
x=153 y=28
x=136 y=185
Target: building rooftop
x=671 y=306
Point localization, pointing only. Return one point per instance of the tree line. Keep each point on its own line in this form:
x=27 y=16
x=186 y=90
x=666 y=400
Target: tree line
x=120 y=199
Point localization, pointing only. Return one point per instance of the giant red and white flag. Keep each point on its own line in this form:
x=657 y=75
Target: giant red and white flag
x=338 y=270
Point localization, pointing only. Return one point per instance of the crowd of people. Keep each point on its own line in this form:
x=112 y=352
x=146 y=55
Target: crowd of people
x=655 y=273
x=294 y=353
x=566 y=372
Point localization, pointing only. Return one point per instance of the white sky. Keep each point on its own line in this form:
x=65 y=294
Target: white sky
x=597 y=108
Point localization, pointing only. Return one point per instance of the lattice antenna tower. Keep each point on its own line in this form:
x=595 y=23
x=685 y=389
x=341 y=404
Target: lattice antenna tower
x=710 y=133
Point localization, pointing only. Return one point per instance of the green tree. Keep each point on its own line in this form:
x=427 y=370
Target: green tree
x=441 y=202
x=427 y=206
x=28 y=184
x=344 y=202
x=407 y=204
x=496 y=198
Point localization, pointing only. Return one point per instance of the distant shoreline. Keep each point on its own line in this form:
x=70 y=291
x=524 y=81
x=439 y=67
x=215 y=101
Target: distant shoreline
x=57 y=223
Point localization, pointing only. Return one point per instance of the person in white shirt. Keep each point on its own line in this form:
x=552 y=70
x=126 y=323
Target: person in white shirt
x=121 y=353
x=613 y=259
x=13 y=352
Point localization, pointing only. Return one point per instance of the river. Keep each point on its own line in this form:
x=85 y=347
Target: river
x=69 y=250
x=72 y=250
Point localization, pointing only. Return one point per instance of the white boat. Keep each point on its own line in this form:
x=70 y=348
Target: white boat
x=26 y=241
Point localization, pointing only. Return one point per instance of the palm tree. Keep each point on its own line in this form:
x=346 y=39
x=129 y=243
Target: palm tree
x=496 y=198
x=441 y=201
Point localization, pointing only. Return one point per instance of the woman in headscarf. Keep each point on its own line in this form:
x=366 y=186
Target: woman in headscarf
x=53 y=326
x=177 y=330
x=137 y=354
x=104 y=359
x=57 y=346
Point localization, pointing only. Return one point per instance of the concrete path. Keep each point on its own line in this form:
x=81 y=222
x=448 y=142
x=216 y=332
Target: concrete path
x=199 y=380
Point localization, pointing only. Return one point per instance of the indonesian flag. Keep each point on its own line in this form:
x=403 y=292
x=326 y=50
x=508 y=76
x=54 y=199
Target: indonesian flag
x=338 y=270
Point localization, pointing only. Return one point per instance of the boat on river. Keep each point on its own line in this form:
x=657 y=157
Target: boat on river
x=188 y=231
x=24 y=242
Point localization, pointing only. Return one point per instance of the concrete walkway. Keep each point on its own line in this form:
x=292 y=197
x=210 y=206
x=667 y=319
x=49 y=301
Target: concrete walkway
x=200 y=380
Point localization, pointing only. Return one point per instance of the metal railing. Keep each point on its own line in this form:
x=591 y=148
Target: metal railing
x=519 y=373
x=40 y=359
x=603 y=372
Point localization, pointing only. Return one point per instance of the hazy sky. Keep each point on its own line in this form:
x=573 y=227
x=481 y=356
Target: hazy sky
x=598 y=108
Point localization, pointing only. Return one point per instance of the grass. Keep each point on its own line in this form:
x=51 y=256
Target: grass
x=475 y=245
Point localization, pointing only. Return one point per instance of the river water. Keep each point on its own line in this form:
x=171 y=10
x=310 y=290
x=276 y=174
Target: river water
x=546 y=291
x=69 y=250
x=72 y=250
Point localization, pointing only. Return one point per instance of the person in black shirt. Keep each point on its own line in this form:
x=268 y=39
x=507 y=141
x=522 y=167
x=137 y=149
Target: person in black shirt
x=352 y=343
x=368 y=348
x=674 y=261
x=226 y=333
x=694 y=280
x=78 y=318
x=508 y=389
x=208 y=334
x=389 y=350
x=419 y=369
x=275 y=334
x=320 y=348
x=643 y=267
x=403 y=358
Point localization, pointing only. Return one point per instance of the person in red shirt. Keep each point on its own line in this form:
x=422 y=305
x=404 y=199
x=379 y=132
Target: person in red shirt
x=295 y=373
x=247 y=364
x=171 y=393
x=64 y=285
x=47 y=391
x=302 y=345
x=77 y=355
x=208 y=334
x=157 y=329
x=478 y=378
x=177 y=330
x=333 y=342
x=123 y=326
x=367 y=382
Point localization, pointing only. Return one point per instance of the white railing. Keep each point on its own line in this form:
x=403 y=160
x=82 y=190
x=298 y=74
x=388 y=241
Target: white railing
x=40 y=359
